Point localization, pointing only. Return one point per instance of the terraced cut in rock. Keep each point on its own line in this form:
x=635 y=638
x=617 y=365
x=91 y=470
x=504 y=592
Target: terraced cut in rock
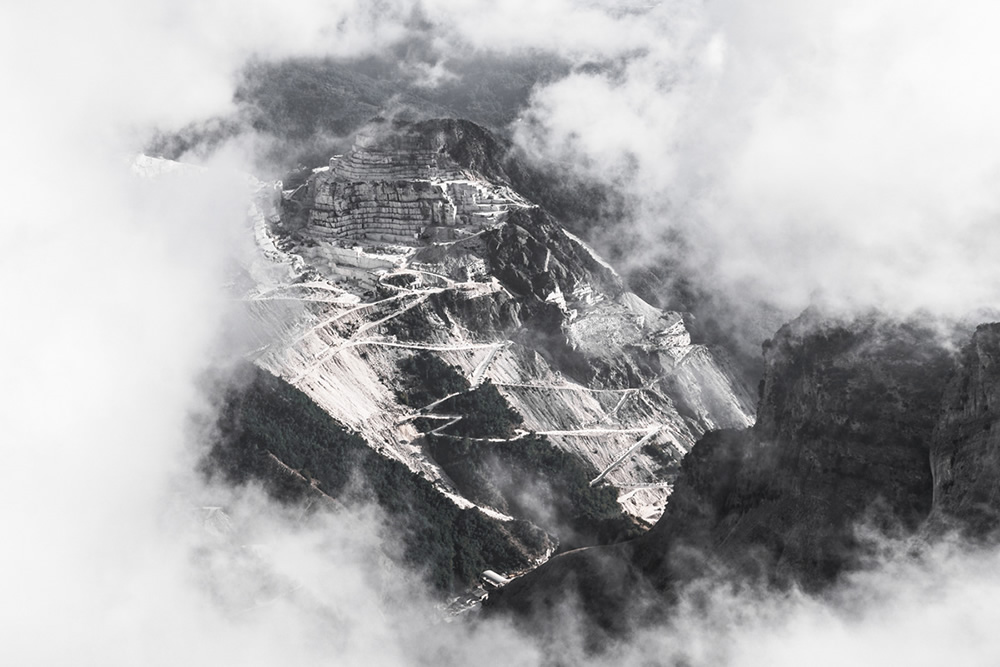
x=492 y=285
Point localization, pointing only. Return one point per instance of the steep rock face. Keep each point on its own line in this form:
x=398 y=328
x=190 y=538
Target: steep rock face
x=843 y=437
x=492 y=285
x=399 y=181
x=965 y=454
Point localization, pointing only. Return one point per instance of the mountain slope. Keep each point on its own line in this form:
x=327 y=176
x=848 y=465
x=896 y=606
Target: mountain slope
x=965 y=452
x=271 y=433
x=405 y=245
x=846 y=421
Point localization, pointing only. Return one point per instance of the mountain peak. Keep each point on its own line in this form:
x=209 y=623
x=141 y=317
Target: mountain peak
x=407 y=245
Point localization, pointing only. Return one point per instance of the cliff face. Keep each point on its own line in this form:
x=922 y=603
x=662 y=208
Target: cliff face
x=843 y=436
x=846 y=420
x=417 y=241
x=965 y=453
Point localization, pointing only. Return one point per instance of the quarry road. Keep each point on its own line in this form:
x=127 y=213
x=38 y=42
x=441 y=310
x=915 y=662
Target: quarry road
x=448 y=281
x=318 y=361
x=425 y=346
x=628 y=452
x=279 y=293
x=613 y=412
x=418 y=295
x=628 y=393
x=438 y=430
x=438 y=402
x=596 y=431
x=636 y=489
x=464 y=238
x=275 y=295
x=334 y=351
x=521 y=434
x=568 y=387
x=408 y=271
x=480 y=370
x=339 y=316
x=409 y=418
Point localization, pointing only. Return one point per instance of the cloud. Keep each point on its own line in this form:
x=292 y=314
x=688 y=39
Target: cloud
x=112 y=305
x=846 y=148
x=919 y=610
x=839 y=149
x=111 y=287
x=576 y=29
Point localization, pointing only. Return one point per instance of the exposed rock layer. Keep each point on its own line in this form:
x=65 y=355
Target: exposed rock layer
x=965 y=454
x=397 y=181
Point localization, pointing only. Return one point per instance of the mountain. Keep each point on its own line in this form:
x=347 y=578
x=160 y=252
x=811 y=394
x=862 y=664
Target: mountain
x=427 y=335
x=416 y=293
x=842 y=438
x=865 y=427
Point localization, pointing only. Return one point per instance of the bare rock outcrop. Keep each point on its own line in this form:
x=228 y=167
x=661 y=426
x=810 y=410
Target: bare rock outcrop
x=965 y=454
x=396 y=184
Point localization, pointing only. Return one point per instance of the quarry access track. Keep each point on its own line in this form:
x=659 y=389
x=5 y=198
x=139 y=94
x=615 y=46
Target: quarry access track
x=340 y=315
x=337 y=300
x=420 y=296
x=334 y=351
x=434 y=404
x=521 y=434
x=409 y=418
x=613 y=412
x=628 y=452
x=569 y=387
x=280 y=293
x=480 y=370
x=636 y=489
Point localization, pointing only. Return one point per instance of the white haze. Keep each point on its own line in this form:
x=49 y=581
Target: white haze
x=838 y=150
x=845 y=147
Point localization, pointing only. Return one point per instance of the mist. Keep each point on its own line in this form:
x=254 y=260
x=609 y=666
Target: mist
x=807 y=152
x=847 y=150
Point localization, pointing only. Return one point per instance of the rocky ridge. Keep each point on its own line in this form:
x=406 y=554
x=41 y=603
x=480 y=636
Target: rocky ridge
x=842 y=438
x=866 y=428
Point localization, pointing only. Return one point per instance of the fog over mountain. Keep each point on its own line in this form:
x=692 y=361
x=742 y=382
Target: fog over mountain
x=773 y=155
x=841 y=151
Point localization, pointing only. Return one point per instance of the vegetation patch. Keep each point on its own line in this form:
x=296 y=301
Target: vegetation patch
x=494 y=464
x=530 y=478
x=427 y=378
x=265 y=416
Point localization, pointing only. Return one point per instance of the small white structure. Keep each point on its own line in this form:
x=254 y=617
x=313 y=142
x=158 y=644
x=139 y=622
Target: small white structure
x=494 y=579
